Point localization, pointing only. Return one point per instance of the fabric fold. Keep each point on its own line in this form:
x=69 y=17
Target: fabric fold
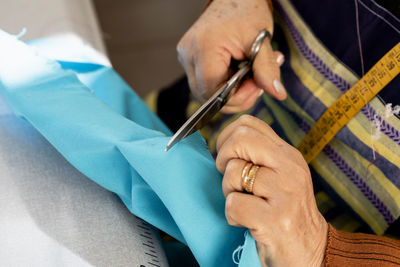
x=92 y=117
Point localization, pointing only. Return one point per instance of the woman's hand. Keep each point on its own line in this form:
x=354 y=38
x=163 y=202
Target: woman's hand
x=225 y=31
x=281 y=213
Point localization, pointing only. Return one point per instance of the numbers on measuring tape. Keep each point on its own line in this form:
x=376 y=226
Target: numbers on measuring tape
x=350 y=103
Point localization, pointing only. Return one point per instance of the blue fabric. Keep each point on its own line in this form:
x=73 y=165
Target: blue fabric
x=89 y=114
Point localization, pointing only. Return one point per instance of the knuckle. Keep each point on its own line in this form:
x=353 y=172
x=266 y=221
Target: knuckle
x=219 y=162
x=229 y=181
x=241 y=133
x=238 y=138
x=294 y=154
x=297 y=153
x=189 y=42
x=219 y=145
x=230 y=220
x=225 y=185
x=231 y=204
x=245 y=119
x=180 y=46
x=227 y=176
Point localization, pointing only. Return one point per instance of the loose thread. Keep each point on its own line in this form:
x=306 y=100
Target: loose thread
x=359 y=38
x=21 y=33
x=367 y=172
x=377 y=123
x=237 y=254
x=362 y=74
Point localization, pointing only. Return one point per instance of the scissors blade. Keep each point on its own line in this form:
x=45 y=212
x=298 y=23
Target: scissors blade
x=211 y=107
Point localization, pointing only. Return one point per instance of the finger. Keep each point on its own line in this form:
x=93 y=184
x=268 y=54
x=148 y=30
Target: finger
x=251 y=122
x=231 y=181
x=250 y=145
x=246 y=210
x=186 y=61
x=211 y=69
x=266 y=182
x=266 y=72
x=244 y=98
x=248 y=93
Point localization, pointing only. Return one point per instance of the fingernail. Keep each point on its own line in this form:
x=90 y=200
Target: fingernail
x=279 y=87
x=280 y=59
x=261 y=92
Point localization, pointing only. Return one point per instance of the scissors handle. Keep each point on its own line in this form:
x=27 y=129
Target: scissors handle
x=256 y=46
x=234 y=82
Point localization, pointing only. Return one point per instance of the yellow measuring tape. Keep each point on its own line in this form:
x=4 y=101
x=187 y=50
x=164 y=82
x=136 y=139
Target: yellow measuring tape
x=350 y=103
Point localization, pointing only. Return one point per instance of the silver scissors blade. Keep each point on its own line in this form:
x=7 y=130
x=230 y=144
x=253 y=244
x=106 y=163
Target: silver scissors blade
x=211 y=107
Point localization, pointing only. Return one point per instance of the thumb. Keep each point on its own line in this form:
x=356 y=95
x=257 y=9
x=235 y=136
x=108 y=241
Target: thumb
x=266 y=72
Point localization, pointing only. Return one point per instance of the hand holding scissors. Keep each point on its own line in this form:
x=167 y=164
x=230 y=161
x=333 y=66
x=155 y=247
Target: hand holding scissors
x=211 y=107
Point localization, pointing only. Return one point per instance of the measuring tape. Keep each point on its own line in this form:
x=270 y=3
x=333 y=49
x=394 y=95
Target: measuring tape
x=350 y=103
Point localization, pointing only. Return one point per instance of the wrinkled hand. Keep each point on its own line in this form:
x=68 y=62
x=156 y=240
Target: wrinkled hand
x=281 y=213
x=225 y=31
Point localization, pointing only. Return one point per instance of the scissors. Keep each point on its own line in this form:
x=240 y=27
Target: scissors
x=211 y=107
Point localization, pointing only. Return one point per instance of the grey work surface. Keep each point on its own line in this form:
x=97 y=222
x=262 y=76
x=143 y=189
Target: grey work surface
x=52 y=215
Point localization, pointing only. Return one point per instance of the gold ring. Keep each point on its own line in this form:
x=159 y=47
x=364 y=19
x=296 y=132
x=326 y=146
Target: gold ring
x=248 y=176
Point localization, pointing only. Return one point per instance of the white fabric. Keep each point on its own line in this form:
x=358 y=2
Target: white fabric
x=44 y=18
x=50 y=214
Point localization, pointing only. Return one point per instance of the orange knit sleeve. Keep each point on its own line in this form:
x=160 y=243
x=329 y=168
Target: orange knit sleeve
x=356 y=249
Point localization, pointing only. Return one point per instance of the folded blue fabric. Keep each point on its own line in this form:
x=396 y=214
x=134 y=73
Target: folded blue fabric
x=92 y=117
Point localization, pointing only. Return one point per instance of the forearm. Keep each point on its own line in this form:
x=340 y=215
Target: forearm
x=356 y=249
